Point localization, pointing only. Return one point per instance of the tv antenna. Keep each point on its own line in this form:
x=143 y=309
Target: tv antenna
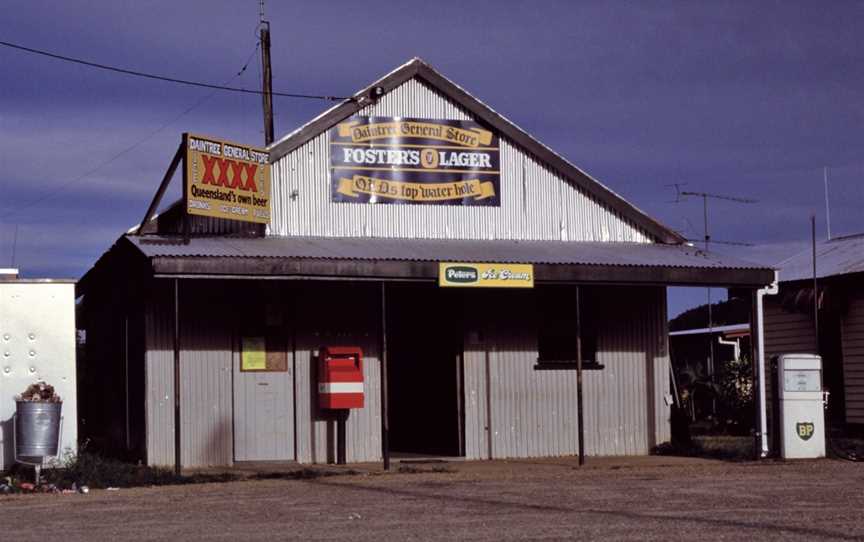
x=680 y=196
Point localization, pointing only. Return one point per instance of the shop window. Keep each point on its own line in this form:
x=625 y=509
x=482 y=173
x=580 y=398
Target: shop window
x=557 y=333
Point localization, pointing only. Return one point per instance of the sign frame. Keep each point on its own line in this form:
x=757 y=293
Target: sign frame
x=236 y=180
x=414 y=161
x=485 y=275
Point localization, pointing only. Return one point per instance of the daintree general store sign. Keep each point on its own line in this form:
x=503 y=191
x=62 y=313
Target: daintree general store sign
x=226 y=180
x=414 y=161
x=485 y=275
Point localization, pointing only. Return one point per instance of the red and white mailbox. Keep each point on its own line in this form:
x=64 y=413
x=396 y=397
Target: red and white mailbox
x=340 y=377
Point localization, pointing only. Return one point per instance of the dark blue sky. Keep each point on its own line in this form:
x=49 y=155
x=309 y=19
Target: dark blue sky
x=743 y=98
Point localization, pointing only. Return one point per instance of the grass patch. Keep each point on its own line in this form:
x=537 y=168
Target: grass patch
x=407 y=469
x=95 y=471
x=302 y=474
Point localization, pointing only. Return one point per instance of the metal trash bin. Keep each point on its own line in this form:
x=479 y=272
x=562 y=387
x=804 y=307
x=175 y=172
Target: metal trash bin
x=37 y=429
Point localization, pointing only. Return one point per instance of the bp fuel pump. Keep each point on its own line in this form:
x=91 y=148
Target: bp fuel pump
x=801 y=414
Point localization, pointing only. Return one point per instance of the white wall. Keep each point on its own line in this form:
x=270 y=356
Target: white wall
x=37 y=342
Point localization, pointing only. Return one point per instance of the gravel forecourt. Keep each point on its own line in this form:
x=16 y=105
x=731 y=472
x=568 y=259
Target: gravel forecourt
x=610 y=499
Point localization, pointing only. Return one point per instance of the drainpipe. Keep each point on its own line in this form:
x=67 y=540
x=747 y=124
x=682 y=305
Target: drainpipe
x=760 y=330
x=735 y=344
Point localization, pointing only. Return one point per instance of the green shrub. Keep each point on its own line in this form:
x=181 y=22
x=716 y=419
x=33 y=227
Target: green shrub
x=95 y=471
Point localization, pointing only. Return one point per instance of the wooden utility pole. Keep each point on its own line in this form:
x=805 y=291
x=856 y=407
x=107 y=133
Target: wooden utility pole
x=267 y=82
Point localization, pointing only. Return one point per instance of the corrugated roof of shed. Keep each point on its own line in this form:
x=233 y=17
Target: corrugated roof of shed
x=431 y=250
x=838 y=256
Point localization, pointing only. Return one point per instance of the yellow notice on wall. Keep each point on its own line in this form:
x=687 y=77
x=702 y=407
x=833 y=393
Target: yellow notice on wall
x=485 y=275
x=253 y=355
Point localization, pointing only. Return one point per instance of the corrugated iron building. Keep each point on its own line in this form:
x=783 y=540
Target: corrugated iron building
x=465 y=374
x=790 y=325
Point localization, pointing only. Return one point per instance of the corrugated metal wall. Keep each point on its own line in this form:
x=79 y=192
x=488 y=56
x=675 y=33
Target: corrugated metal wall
x=205 y=374
x=853 y=357
x=625 y=408
x=534 y=412
x=159 y=376
x=536 y=203
x=263 y=411
x=337 y=314
x=206 y=365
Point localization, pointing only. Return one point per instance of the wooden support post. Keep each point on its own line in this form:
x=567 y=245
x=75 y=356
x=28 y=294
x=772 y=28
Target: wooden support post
x=166 y=180
x=187 y=220
x=177 y=459
x=385 y=422
x=489 y=432
x=341 y=440
x=267 y=83
x=581 y=430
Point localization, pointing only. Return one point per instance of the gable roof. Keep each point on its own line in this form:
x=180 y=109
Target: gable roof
x=418 y=69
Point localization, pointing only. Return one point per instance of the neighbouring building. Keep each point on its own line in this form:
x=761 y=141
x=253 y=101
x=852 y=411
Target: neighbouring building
x=37 y=343
x=790 y=320
x=379 y=206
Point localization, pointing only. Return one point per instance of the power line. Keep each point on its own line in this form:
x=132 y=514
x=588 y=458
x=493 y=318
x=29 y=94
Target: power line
x=63 y=186
x=164 y=78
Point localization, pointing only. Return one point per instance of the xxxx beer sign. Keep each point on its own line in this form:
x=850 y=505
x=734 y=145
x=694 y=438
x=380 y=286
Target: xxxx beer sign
x=227 y=180
x=414 y=161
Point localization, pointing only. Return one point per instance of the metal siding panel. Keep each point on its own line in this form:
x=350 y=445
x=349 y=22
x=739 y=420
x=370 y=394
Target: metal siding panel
x=852 y=336
x=304 y=396
x=663 y=411
x=159 y=377
x=476 y=443
x=251 y=417
x=205 y=394
x=536 y=203
x=616 y=397
x=315 y=435
x=533 y=412
x=364 y=426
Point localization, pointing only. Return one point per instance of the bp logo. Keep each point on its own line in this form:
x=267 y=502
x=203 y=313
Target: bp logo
x=805 y=430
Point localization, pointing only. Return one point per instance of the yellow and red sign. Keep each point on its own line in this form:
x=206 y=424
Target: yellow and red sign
x=227 y=180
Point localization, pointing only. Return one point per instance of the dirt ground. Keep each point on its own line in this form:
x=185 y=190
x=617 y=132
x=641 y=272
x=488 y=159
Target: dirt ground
x=624 y=499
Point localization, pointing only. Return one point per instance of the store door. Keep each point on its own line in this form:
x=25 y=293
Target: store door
x=424 y=341
x=263 y=401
